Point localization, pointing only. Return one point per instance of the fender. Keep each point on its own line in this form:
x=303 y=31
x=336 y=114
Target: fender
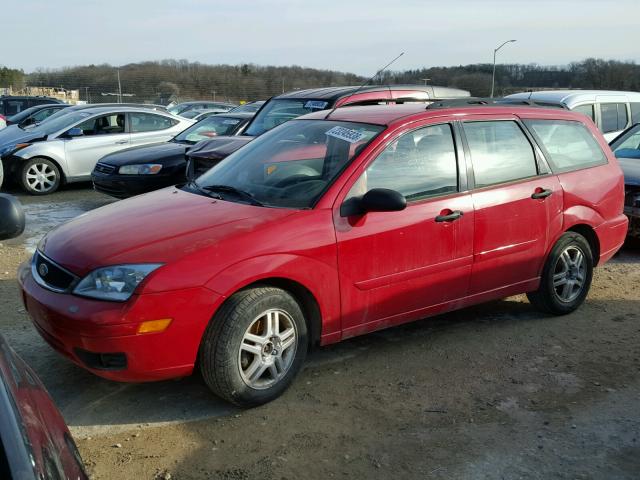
x=52 y=150
x=320 y=279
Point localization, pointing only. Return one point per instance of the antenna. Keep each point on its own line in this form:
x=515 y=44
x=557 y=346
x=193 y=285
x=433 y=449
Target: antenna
x=365 y=83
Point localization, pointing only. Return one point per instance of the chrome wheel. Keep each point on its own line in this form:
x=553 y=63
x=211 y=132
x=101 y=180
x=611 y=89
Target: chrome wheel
x=40 y=177
x=268 y=349
x=569 y=274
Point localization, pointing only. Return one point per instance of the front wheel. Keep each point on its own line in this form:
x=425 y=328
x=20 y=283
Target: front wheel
x=254 y=346
x=40 y=176
x=566 y=276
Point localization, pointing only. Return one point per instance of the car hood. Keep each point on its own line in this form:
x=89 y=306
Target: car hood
x=631 y=169
x=154 y=153
x=219 y=147
x=158 y=227
x=14 y=134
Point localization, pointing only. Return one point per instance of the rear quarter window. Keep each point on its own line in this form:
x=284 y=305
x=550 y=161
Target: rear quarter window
x=569 y=145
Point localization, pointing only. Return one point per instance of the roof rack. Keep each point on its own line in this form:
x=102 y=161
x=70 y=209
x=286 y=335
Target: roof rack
x=492 y=102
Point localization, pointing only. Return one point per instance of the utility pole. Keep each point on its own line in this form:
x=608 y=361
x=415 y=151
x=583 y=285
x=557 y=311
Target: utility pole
x=282 y=84
x=493 y=77
x=425 y=81
x=120 y=88
x=214 y=94
x=86 y=95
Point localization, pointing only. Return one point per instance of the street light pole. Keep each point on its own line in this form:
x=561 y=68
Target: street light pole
x=493 y=77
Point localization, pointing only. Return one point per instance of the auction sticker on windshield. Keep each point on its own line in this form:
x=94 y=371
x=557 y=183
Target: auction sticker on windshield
x=231 y=122
x=346 y=134
x=318 y=104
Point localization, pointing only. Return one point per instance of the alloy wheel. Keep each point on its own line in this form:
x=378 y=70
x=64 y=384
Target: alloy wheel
x=569 y=274
x=40 y=177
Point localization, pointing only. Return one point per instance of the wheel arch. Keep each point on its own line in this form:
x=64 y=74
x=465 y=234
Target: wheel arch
x=588 y=232
x=18 y=166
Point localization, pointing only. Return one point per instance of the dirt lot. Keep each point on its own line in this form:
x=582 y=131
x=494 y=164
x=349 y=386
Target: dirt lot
x=497 y=391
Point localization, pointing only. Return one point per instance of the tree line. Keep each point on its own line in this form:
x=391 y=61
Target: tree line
x=179 y=80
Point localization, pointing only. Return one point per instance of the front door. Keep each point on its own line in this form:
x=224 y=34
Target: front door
x=399 y=266
x=101 y=135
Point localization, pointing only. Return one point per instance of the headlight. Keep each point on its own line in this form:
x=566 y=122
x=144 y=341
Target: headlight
x=116 y=283
x=12 y=148
x=142 y=169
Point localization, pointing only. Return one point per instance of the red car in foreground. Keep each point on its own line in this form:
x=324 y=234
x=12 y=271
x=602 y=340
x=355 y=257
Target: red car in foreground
x=332 y=225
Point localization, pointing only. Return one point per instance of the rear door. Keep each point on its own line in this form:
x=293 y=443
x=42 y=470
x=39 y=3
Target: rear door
x=101 y=135
x=399 y=266
x=517 y=202
x=146 y=128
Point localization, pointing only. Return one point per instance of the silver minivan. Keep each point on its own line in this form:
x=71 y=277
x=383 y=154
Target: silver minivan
x=67 y=149
x=611 y=111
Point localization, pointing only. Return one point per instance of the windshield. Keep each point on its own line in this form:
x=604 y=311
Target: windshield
x=291 y=166
x=629 y=140
x=208 y=128
x=276 y=112
x=18 y=117
x=53 y=125
x=176 y=109
x=248 y=107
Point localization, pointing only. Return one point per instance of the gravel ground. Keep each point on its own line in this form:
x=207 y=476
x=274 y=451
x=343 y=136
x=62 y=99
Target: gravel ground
x=497 y=391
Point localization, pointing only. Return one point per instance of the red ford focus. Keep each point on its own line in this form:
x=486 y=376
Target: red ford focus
x=330 y=226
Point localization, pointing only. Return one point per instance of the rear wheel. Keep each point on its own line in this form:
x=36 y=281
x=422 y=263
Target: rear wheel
x=254 y=346
x=566 y=277
x=40 y=176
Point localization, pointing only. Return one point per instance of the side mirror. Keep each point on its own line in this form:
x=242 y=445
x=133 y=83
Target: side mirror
x=74 y=132
x=11 y=217
x=375 y=200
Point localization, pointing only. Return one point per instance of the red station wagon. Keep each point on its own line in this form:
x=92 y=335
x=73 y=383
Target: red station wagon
x=332 y=225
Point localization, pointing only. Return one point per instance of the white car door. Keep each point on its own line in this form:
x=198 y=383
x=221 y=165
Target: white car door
x=101 y=135
x=146 y=128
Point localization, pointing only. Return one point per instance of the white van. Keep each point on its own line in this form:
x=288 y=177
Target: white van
x=611 y=111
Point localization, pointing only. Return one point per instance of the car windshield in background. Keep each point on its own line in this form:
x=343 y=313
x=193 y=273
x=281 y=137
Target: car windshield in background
x=208 y=128
x=277 y=112
x=18 y=117
x=54 y=125
x=289 y=167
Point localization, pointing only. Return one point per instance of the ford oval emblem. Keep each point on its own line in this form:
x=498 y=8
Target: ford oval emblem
x=43 y=269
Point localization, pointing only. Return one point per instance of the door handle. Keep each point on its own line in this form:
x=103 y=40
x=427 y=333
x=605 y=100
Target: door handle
x=122 y=142
x=449 y=217
x=541 y=193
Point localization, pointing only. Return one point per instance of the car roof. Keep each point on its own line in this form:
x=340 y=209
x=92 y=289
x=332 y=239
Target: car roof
x=573 y=97
x=235 y=114
x=391 y=114
x=27 y=97
x=115 y=108
x=191 y=102
x=335 y=93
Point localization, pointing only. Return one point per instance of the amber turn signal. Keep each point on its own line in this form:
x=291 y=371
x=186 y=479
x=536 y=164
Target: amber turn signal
x=154 y=326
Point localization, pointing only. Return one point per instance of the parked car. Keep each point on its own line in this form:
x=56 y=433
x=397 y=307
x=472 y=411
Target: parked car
x=142 y=169
x=35 y=443
x=329 y=226
x=181 y=108
x=197 y=114
x=12 y=104
x=611 y=111
x=3 y=122
x=36 y=114
x=68 y=148
x=249 y=107
x=290 y=105
x=626 y=148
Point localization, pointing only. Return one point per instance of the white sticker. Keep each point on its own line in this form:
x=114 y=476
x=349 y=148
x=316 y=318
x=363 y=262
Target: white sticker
x=317 y=104
x=346 y=134
x=231 y=122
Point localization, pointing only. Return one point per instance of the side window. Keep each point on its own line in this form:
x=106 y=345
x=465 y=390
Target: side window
x=44 y=113
x=14 y=106
x=635 y=113
x=419 y=164
x=500 y=152
x=569 y=145
x=613 y=116
x=586 y=110
x=148 y=122
x=107 y=124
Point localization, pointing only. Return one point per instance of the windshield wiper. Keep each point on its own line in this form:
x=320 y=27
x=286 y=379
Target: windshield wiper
x=228 y=188
x=194 y=184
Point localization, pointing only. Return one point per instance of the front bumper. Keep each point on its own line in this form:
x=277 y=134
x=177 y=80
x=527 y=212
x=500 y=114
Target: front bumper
x=81 y=329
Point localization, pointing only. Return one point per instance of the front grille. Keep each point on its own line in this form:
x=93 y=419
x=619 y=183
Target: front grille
x=105 y=168
x=50 y=275
x=632 y=198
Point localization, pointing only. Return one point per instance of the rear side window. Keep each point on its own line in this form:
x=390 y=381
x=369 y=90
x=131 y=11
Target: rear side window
x=419 y=164
x=614 y=116
x=148 y=122
x=570 y=145
x=586 y=110
x=635 y=113
x=500 y=152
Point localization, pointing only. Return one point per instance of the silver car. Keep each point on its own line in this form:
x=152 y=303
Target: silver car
x=66 y=149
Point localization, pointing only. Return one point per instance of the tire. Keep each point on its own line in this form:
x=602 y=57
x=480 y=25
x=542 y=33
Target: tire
x=241 y=360
x=572 y=275
x=40 y=176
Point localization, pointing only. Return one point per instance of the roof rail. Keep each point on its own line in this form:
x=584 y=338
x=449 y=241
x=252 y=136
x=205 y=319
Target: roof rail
x=492 y=102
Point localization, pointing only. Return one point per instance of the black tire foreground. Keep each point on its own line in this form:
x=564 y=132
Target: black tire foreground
x=546 y=297
x=219 y=351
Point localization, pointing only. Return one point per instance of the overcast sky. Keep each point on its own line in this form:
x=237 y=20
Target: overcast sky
x=356 y=36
